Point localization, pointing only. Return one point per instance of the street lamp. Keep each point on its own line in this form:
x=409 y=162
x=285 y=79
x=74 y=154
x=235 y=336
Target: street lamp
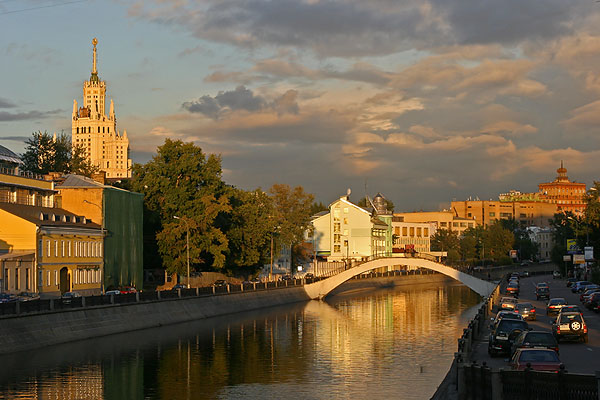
x=187 y=247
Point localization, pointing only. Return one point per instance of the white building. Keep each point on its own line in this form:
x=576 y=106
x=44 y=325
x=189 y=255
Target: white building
x=348 y=231
x=544 y=237
x=97 y=132
x=412 y=235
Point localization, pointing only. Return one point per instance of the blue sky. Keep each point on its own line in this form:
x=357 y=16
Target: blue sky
x=425 y=101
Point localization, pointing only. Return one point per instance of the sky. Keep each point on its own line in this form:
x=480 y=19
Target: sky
x=425 y=101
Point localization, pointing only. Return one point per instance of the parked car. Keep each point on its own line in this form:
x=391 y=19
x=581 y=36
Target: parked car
x=112 y=292
x=7 y=298
x=555 y=305
x=530 y=339
x=28 y=296
x=525 y=274
x=128 y=289
x=309 y=276
x=537 y=359
x=579 y=285
x=571 y=281
x=504 y=314
x=508 y=303
x=592 y=301
x=570 y=326
x=67 y=297
x=178 y=287
x=286 y=278
x=220 y=283
x=526 y=310
x=588 y=291
x=503 y=335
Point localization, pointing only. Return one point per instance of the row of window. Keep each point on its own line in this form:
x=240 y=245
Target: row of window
x=412 y=231
x=88 y=129
x=70 y=248
x=17 y=280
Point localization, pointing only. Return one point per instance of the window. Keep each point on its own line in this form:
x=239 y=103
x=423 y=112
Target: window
x=56 y=278
x=404 y=231
x=48 y=279
x=418 y=232
x=27 y=279
x=69 y=248
x=6 y=279
x=40 y=248
x=345 y=208
x=62 y=243
x=56 y=248
x=397 y=231
x=443 y=224
x=412 y=231
x=426 y=232
x=41 y=278
x=48 y=247
x=336 y=248
x=336 y=227
x=17 y=283
x=455 y=224
x=492 y=214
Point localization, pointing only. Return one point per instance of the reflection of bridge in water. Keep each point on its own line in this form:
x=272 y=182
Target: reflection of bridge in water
x=320 y=289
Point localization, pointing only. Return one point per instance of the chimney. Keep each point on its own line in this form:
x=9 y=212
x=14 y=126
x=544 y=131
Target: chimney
x=100 y=177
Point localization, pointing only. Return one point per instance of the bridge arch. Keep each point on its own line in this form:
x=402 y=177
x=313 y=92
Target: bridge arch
x=320 y=289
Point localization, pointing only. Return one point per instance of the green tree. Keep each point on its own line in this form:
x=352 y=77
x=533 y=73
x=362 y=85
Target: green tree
x=292 y=212
x=181 y=181
x=248 y=228
x=498 y=241
x=445 y=240
x=317 y=208
x=44 y=154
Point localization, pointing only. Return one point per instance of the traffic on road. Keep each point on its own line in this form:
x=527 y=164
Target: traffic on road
x=556 y=317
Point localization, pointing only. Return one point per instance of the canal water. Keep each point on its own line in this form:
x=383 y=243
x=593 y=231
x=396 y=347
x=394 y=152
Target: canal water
x=394 y=343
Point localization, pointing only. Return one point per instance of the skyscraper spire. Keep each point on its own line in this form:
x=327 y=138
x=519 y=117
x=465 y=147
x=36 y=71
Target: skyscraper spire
x=94 y=77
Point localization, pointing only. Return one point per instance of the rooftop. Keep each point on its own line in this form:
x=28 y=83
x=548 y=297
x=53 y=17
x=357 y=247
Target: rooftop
x=46 y=216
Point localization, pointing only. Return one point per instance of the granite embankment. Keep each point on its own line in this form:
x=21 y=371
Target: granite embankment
x=30 y=331
x=36 y=330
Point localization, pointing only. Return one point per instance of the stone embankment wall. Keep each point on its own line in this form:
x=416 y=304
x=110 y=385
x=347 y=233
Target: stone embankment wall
x=31 y=331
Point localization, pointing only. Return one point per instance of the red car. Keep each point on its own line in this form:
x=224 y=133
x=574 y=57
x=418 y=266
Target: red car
x=539 y=359
x=128 y=289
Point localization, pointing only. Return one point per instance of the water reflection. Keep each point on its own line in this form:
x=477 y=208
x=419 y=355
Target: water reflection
x=372 y=344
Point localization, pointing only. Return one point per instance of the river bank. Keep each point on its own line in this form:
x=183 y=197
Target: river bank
x=31 y=331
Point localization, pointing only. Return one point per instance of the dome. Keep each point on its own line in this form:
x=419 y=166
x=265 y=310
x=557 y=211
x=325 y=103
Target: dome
x=9 y=156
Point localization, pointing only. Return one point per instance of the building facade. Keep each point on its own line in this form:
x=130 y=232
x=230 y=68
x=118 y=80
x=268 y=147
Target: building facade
x=49 y=251
x=567 y=195
x=487 y=212
x=97 y=132
x=447 y=220
x=120 y=214
x=408 y=236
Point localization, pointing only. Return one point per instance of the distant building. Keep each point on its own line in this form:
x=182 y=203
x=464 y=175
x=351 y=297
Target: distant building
x=120 y=214
x=567 y=195
x=487 y=212
x=9 y=160
x=97 y=132
x=409 y=236
x=447 y=220
x=351 y=232
x=544 y=237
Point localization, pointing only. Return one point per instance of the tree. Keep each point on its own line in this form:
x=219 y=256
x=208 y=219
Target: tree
x=317 y=208
x=181 y=181
x=445 y=240
x=45 y=154
x=367 y=204
x=248 y=228
x=498 y=241
x=292 y=212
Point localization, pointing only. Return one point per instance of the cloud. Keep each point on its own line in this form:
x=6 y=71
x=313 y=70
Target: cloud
x=15 y=138
x=26 y=116
x=241 y=99
x=6 y=104
x=585 y=116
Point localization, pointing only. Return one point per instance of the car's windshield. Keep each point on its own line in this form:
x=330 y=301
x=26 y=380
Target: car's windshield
x=566 y=318
x=524 y=306
x=543 y=289
x=544 y=338
x=508 y=325
x=539 y=356
x=558 y=301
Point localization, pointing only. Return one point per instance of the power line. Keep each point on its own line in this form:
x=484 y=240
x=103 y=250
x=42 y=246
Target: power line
x=40 y=7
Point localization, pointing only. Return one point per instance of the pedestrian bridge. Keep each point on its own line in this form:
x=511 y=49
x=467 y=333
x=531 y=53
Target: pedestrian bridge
x=320 y=289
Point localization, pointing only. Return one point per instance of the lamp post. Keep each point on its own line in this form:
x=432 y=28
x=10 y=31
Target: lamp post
x=187 y=247
x=103 y=247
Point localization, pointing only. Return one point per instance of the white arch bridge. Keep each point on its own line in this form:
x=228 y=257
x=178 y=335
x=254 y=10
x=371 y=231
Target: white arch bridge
x=320 y=289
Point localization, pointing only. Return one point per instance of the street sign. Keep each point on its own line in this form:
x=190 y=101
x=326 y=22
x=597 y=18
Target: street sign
x=589 y=253
x=572 y=246
x=578 y=259
x=567 y=258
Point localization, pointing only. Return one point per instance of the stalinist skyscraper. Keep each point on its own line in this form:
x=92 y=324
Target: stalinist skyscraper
x=96 y=132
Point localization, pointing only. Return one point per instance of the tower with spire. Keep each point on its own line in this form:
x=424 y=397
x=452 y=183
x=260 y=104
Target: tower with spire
x=97 y=132
x=566 y=194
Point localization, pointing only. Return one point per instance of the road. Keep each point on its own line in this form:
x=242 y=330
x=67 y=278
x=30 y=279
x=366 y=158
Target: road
x=578 y=357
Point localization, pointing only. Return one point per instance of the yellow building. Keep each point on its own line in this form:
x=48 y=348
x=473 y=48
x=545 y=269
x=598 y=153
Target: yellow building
x=96 y=132
x=49 y=251
x=411 y=235
x=567 y=195
x=447 y=220
x=486 y=212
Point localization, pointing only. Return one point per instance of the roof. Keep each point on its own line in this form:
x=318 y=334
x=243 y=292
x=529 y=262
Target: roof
x=17 y=254
x=46 y=216
x=7 y=155
x=78 y=181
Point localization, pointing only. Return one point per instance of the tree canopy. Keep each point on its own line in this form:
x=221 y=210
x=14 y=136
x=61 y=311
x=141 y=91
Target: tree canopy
x=44 y=154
